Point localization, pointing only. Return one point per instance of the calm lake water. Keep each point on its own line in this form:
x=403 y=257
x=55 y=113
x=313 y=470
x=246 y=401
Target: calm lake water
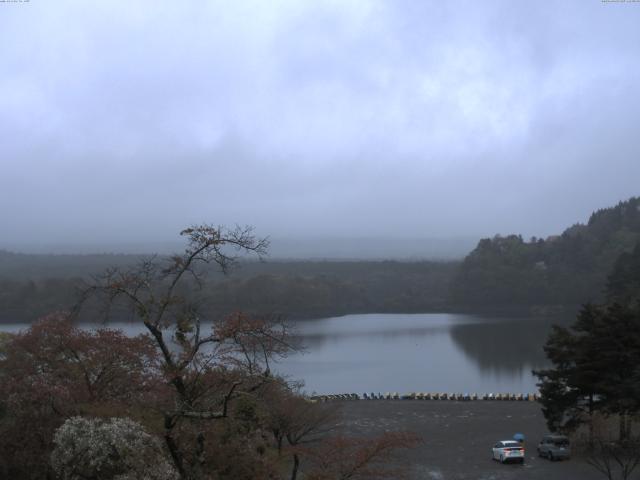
x=412 y=352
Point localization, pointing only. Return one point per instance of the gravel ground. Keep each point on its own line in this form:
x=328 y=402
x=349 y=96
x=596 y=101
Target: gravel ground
x=458 y=436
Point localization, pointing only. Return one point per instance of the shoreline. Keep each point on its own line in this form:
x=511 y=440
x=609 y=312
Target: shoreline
x=527 y=311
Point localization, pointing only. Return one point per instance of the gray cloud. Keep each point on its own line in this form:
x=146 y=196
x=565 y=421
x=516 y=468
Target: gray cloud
x=126 y=121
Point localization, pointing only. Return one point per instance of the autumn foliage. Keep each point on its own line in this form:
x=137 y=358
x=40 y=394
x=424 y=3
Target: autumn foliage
x=204 y=391
x=53 y=371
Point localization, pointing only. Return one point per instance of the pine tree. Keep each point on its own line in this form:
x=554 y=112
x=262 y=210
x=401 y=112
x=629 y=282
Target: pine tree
x=595 y=368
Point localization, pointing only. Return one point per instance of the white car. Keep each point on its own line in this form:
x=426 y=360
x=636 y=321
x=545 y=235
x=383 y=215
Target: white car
x=508 y=451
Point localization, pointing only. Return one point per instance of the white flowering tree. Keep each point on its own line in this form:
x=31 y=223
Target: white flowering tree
x=114 y=449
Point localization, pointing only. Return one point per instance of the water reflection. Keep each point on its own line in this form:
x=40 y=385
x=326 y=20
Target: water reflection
x=317 y=340
x=418 y=352
x=505 y=345
x=428 y=352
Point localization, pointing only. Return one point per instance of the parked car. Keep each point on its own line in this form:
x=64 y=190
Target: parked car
x=554 y=447
x=508 y=451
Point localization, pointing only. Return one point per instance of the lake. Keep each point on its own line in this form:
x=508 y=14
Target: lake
x=412 y=352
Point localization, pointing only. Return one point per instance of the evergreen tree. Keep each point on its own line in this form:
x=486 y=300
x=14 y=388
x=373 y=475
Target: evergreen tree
x=617 y=338
x=623 y=285
x=568 y=389
x=595 y=368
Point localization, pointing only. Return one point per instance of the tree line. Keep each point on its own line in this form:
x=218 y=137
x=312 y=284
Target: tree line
x=299 y=290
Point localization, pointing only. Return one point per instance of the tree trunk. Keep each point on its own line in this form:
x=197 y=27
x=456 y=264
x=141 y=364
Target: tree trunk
x=296 y=464
x=591 y=420
x=172 y=446
x=199 y=464
x=623 y=426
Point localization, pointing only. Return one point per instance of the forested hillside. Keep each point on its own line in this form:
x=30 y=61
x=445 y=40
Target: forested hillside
x=21 y=266
x=569 y=269
x=295 y=289
x=623 y=285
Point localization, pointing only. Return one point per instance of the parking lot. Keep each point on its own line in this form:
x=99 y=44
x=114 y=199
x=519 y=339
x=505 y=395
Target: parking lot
x=458 y=437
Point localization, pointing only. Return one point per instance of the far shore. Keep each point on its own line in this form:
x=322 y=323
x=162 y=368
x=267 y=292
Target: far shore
x=511 y=311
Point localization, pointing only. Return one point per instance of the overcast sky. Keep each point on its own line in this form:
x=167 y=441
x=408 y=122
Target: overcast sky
x=124 y=121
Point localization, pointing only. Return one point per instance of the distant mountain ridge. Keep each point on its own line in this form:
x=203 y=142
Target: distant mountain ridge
x=568 y=269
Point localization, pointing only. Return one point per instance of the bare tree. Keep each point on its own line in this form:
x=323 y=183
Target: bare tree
x=298 y=421
x=204 y=370
x=613 y=459
x=357 y=458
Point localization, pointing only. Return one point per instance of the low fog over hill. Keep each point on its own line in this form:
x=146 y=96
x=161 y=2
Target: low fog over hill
x=288 y=248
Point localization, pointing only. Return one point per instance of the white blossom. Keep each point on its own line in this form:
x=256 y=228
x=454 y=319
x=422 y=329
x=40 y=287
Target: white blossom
x=113 y=449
